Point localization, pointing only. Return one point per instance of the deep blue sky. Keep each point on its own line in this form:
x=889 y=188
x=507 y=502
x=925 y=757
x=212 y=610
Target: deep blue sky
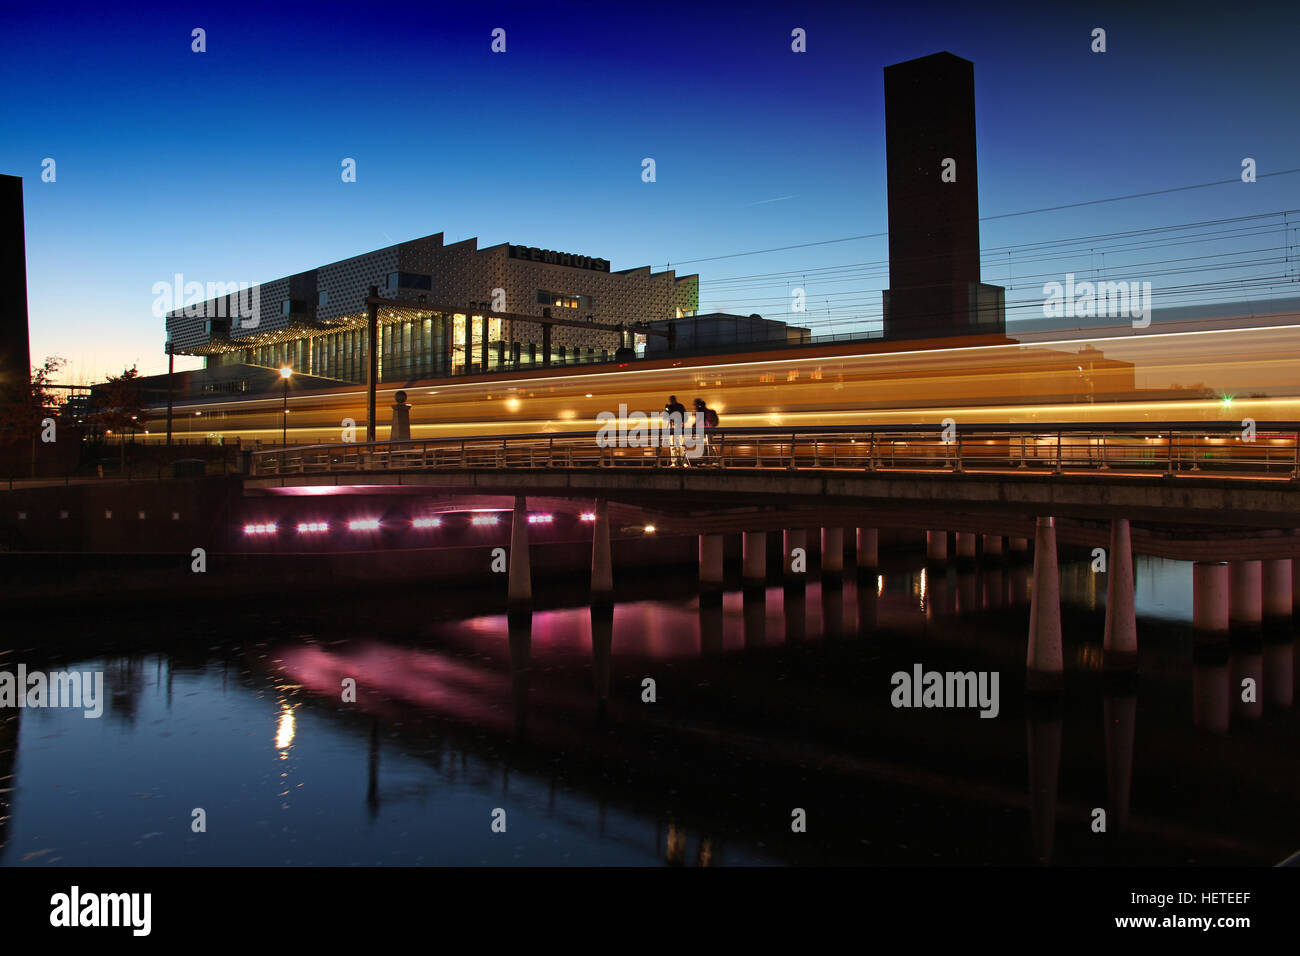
x=225 y=165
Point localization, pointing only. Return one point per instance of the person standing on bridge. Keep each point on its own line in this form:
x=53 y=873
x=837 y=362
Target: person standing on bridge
x=705 y=420
x=675 y=424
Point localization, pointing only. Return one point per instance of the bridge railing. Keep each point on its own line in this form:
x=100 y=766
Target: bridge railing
x=1188 y=449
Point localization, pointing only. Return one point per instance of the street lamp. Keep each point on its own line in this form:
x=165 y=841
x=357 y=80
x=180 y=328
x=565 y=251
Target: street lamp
x=286 y=373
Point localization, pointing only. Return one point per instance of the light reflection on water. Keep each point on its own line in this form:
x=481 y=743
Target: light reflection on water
x=766 y=701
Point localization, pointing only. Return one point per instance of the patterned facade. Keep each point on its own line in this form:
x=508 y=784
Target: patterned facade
x=316 y=321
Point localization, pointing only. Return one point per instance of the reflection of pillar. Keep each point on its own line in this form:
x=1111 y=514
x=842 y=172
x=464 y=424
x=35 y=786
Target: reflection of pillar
x=372 y=770
x=755 y=616
x=1018 y=584
x=710 y=625
x=1295 y=586
x=795 y=538
x=1119 y=711
x=1043 y=737
x=1279 y=675
x=520 y=593
x=868 y=605
x=1119 y=647
x=832 y=612
x=1045 y=665
x=1275 y=596
x=1247 y=665
x=965 y=542
x=1019 y=545
x=711 y=562
x=967 y=592
x=1245 y=611
x=832 y=551
x=520 y=642
x=992 y=545
x=1210 y=690
x=994 y=589
x=794 y=605
x=755 y=558
x=1210 y=602
x=602 y=652
x=936 y=546
x=868 y=550
x=602 y=562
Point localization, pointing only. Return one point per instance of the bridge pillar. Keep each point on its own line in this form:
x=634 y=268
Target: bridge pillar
x=1044 y=662
x=868 y=550
x=992 y=545
x=794 y=538
x=832 y=551
x=1210 y=602
x=602 y=561
x=1119 y=648
x=711 y=563
x=1019 y=545
x=755 y=558
x=1275 y=593
x=1245 y=610
x=965 y=547
x=520 y=590
x=936 y=546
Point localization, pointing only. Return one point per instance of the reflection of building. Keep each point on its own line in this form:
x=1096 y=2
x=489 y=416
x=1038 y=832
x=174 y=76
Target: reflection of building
x=15 y=353
x=934 y=233
x=10 y=725
x=316 y=321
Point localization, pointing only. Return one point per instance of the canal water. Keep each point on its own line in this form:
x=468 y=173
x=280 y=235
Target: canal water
x=749 y=729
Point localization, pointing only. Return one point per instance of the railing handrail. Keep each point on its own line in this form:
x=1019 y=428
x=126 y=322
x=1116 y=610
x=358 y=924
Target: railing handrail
x=1047 y=429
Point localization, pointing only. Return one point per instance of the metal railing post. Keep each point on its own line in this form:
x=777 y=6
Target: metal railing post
x=1170 y=470
x=1060 y=465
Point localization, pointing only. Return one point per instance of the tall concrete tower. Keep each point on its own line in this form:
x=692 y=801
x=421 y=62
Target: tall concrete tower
x=15 y=350
x=934 y=231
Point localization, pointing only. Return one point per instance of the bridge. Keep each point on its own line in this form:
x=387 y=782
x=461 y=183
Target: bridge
x=1193 y=491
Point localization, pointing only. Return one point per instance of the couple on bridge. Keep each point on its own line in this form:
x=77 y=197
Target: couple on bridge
x=674 y=419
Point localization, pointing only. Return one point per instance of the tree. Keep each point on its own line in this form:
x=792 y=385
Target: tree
x=118 y=405
x=24 y=406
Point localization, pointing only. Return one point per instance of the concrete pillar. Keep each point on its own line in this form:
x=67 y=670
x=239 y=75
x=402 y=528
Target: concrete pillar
x=936 y=546
x=1019 y=547
x=832 y=551
x=602 y=561
x=966 y=547
x=992 y=545
x=755 y=558
x=1245 y=607
x=1275 y=594
x=520 y=591
x=1120 y=644
x=868 y=549
x=795 y=538
x=1045 y=662
x=1210 y=602
x=711 y=562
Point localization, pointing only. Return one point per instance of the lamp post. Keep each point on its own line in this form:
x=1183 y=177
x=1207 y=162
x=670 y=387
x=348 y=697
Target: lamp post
x=285 y=373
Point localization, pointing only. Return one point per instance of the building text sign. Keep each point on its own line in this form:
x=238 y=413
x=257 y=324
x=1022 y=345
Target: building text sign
x=550 y=257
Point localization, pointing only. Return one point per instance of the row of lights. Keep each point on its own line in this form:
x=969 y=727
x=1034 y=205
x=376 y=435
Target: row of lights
x=482 y=519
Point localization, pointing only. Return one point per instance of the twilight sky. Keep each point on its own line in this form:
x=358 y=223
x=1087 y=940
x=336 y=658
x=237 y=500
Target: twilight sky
x=225 y=165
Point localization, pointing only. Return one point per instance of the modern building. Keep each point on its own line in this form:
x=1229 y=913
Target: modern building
x=15 y=348
x=934 y=231
x=463 y=309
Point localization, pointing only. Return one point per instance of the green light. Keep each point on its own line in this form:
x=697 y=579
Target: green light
x=1227 y=400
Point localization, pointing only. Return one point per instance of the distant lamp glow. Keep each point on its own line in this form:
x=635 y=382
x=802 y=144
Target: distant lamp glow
x=260 y=528
x=286 y=372
x=310 y=527
x=426 y=523
x=649 y=529
x=479 y=521
x=363 y=524
x=1227 y=401
x=540 y=519
x=587 y=516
